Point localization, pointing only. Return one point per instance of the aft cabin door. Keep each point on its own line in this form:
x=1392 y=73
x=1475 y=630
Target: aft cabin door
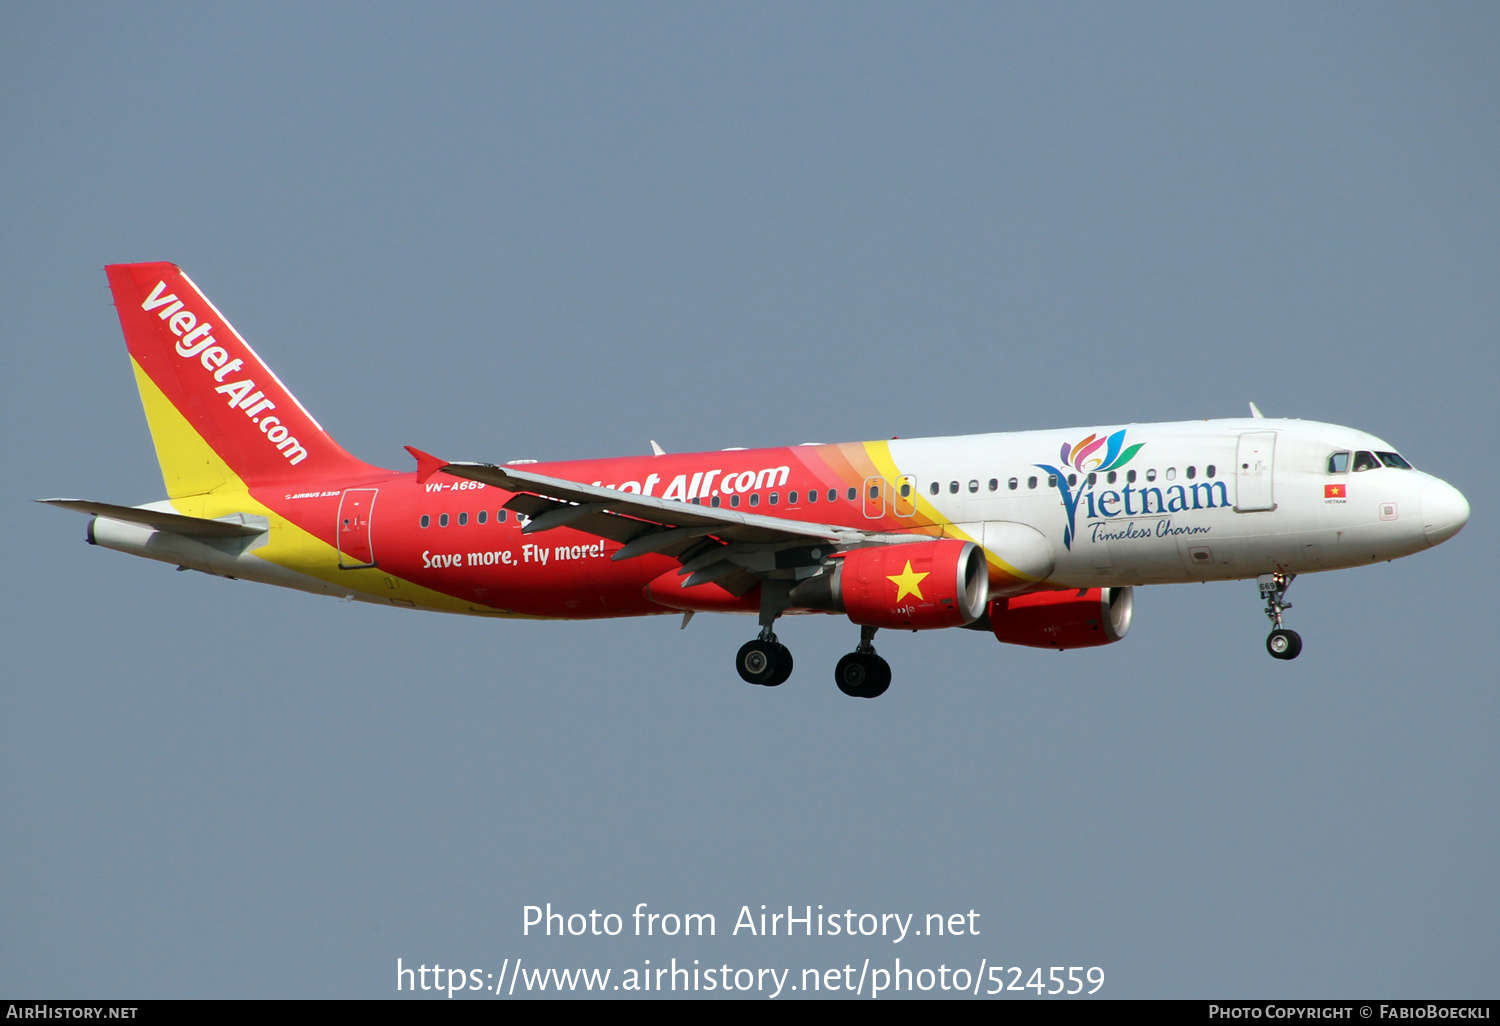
x=355 y=507
x=1252 y=472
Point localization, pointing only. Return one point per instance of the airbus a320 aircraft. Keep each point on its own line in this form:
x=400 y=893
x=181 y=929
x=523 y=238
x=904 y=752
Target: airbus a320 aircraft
x=1037 y=537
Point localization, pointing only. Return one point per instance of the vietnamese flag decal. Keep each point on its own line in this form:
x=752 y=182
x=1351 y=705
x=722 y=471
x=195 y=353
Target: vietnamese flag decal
x=1334 y=492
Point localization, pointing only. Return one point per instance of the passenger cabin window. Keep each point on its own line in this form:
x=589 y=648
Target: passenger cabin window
x=1338 y=463
x=933 y=488
x=1365 y=461
x=1390 y=459
x=791 y=498
x=482 y=516
x=442 y=520
x=1111 y=477
x=812 y=495
x=426 y=520
x=1092 y=479
x=1013 y=483
x=1129 y=477
x=1072 y=480
x=500 y=515
x=905 y=489
x=463 y=519
x=755 y=499
x=1151 y=474
x=973 y=487
x=833 y=494
x=1051 y=480
x=853 y=493
x=734 y=500
x=1171 y=473
x=953 y=487
x=773 y=498
x=1192 y=473
x=995 y=484
x=714 y=502
x=1210 y=470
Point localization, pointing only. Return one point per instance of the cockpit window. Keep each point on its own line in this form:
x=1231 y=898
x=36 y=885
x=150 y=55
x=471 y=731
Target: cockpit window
x=1338 y=463
x=1391 y=459
x=1365 y=461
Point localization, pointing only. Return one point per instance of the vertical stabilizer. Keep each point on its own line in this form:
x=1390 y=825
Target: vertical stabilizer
x=216 y=411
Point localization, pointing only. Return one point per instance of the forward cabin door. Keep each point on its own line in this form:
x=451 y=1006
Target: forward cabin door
x=355 y=549
x=1252 y=472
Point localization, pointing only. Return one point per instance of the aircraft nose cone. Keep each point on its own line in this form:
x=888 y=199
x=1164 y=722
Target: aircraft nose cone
x=1444 y=511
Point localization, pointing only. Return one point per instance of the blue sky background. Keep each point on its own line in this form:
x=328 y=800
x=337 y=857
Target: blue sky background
x=558 y=231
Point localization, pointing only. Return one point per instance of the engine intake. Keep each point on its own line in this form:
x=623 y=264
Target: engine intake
x=1076 y=618
x=915 y=586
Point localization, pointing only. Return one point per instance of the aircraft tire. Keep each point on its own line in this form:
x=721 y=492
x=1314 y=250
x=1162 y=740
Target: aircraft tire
x=783 y=666
x=862 y=675
x=1284 y=644
x=758 y=662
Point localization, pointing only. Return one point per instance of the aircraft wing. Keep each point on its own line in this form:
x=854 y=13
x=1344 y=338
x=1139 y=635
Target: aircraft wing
x=713 y=544
x=574 y=503
x=192 y=527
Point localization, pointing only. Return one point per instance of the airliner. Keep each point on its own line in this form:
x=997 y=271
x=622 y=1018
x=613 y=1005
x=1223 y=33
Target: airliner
x=1036 y=537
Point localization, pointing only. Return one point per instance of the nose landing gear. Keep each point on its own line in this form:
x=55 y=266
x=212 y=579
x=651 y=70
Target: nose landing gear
x=862 y=673
x=1281 y=643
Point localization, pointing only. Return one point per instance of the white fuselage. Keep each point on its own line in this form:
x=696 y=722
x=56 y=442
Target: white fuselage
x=1201 y=500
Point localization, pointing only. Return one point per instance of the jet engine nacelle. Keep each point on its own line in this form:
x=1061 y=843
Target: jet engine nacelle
x=1076 y=618
x=915 y=586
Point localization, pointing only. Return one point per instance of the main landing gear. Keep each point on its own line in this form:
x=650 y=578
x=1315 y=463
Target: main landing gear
x=862 y=673
x=1281 y=643
x=767 y=662
x=764 y=661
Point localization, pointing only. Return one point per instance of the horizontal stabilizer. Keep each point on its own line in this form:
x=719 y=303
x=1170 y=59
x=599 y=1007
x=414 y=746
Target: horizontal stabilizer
x=192 y=527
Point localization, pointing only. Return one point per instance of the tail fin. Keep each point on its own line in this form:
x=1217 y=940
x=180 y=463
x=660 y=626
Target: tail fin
x=215 y=410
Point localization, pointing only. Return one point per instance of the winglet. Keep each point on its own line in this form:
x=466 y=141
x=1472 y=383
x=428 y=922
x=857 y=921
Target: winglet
x=427 y=464
x=1255 y=412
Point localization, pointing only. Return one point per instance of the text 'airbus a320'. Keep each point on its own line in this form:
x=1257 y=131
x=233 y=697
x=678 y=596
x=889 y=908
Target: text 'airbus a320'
x=1037 y=537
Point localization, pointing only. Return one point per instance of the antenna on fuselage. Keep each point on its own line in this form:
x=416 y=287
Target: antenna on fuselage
x=1255 y=412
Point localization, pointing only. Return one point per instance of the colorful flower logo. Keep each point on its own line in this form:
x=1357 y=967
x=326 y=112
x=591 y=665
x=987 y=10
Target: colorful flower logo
x=1084 y=458
x=1081 y=456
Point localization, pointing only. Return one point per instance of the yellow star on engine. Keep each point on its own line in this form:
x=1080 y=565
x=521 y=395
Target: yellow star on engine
x=907 y=583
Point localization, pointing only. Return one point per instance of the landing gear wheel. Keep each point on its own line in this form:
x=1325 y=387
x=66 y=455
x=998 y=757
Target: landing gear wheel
x=1284 y=644
x=757 y=661
x=764 y=662
x=862 y=675
x=783 y=666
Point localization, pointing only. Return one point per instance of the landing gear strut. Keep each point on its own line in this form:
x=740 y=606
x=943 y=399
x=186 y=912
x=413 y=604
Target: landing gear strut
x=862 y=673
x=1281 y=643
